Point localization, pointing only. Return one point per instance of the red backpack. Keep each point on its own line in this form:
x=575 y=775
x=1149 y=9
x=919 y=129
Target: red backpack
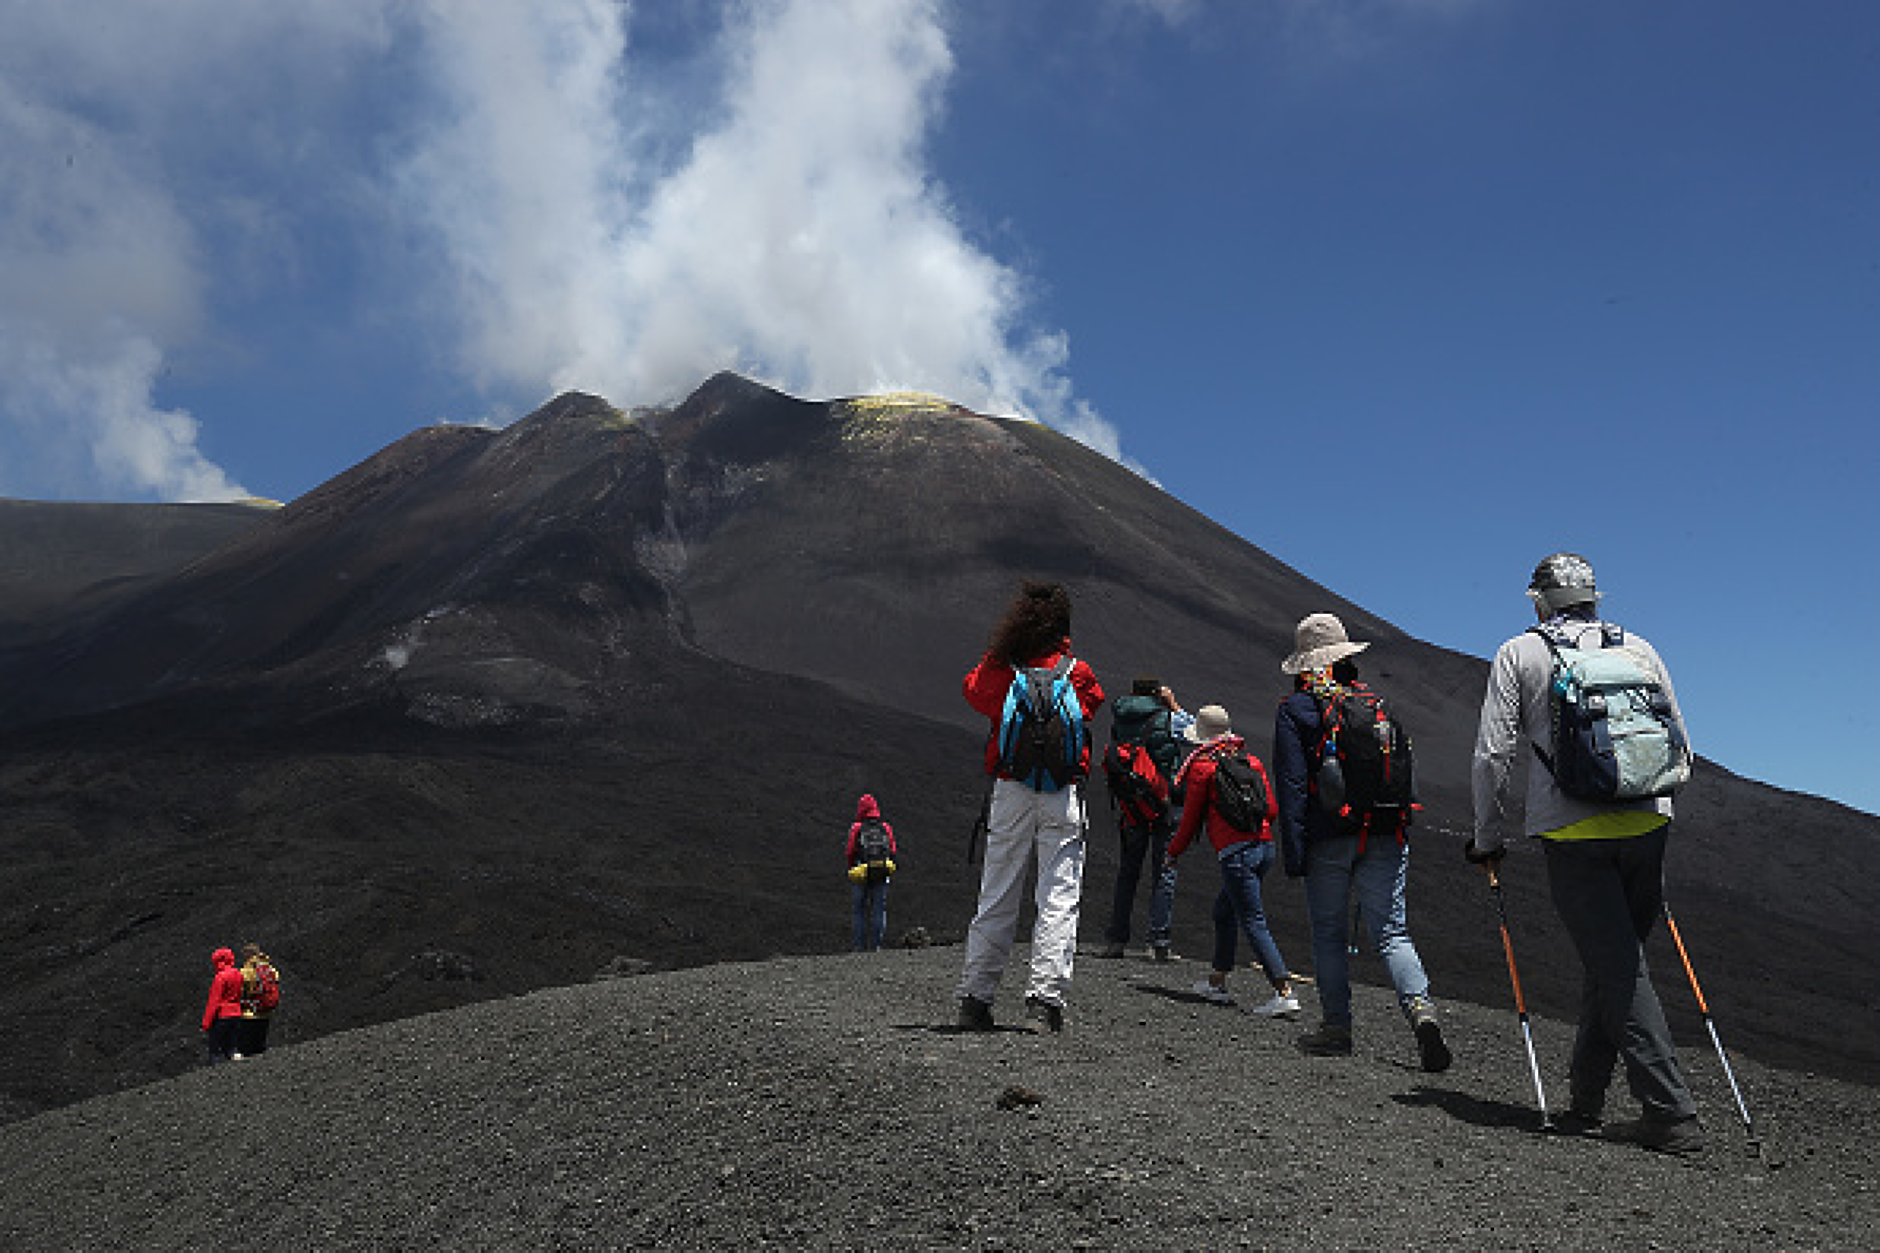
x=265 y=990
x=1137 y=788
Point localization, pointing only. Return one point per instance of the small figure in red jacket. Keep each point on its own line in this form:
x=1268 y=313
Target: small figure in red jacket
x=872 y=851
x=222 y=1016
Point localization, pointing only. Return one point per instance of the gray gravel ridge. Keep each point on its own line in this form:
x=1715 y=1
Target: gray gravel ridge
x=826 y=1102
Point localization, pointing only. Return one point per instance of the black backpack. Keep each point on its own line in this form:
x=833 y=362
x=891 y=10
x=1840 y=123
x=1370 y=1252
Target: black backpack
x=873 y=848
x=1240 y=794
x=1366 y=777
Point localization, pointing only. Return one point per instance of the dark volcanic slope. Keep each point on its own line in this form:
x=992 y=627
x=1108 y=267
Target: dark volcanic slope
x=56 y=559
x=819 y=1104
x=496 y=709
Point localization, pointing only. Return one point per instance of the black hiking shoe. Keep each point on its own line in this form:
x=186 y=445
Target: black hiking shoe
x=975 y=1014
x=1330 y=1040
x=1042 y=1016
x=1578 y=1122
x=1680 y=1137
x=1432 y=1051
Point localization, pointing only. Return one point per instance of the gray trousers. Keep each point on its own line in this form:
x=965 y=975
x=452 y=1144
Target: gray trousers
x=1609 y=894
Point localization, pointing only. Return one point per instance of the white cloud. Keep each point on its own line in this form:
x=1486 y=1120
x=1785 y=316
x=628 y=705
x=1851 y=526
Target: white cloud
x=99 y=265
x=130 y=137
x=587 y=213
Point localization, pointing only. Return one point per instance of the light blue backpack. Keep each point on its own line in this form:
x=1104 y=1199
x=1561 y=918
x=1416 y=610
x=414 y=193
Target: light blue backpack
x=1615 y=737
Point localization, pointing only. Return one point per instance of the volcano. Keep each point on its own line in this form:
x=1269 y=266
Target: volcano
x=595 y=694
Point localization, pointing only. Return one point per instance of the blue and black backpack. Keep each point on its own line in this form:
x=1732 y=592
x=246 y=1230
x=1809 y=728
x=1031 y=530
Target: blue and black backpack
x=1042 y=736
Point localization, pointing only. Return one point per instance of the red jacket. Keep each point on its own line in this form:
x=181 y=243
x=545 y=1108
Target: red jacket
x=225 y=992
x=866 y=808
x=1197 y=774
x=987 y=683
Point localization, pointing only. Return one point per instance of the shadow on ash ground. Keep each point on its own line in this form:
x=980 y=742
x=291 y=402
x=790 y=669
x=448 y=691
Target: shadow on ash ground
x=825 y=1103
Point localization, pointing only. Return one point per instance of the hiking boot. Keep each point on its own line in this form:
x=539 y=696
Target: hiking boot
x=975 y=1014
x=1110 y=949
x=1282 y=1003
x=1043 y=1017
x=1432 y=1051
x=1680 y=1137
x=1214 y=992
x=1330 y=1040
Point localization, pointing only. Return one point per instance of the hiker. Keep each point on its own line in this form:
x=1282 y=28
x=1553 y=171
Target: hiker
x=1355 y=864
x=1243 y=845
x=1151 y=720
x=1039 y=699
x=223 y=1012
x=261 y=995
x=1605 y=858
x=871 y=865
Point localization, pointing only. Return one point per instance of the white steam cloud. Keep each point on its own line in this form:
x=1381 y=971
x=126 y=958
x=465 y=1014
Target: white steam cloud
x=584 y=213
x=798 y=236
x=98 y=276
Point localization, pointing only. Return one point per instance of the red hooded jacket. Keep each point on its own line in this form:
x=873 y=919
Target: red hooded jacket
x=865 y=809
x=225 y=993
x=1197 y=775
x=987 y=683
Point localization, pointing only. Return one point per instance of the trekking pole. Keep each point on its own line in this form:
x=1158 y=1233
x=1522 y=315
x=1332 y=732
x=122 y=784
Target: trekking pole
x=1703 y=1008
x=1520 y=1002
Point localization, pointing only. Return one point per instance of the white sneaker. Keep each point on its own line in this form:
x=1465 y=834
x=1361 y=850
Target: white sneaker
x=1210 y=992
x=1280 y=1004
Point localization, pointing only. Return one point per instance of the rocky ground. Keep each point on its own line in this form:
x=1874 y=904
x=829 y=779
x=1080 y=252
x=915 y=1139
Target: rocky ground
x=826 y=1102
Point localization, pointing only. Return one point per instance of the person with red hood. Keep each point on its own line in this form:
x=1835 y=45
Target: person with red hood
x=871 y=864
x=1027 y=816
x=222 y=1016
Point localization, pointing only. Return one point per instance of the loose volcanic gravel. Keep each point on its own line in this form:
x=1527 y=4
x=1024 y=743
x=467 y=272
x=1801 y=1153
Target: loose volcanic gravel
x=827 y=1102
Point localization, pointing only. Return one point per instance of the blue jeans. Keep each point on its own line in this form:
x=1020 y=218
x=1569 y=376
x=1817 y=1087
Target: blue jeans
x=1335 y=872
x=871 y=914
x=1139 y=843
x=1239 y=908
x=1609 y=894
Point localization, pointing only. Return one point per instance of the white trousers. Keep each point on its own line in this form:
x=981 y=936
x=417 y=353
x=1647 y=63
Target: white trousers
x=1052 y=824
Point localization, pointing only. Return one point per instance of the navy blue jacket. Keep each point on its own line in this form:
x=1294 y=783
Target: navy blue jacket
x=1302 y=820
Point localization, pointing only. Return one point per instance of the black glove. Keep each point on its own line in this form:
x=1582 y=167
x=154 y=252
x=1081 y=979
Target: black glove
x=1477 y=857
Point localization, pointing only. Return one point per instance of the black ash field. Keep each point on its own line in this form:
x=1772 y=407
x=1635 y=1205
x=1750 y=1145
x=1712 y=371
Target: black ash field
x=826 y=1102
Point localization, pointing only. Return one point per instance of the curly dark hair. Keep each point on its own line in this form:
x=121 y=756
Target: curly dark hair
x=1036 y=623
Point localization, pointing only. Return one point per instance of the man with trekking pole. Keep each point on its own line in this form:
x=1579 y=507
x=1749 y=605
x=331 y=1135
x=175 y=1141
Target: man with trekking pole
x=1586 y=711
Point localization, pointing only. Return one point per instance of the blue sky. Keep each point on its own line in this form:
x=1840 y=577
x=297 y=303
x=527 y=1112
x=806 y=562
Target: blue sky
x=1408 y=292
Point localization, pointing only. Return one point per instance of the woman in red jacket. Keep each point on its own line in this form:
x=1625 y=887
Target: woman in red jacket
x=1245 y=856
x=223 y=1014
x=1027 y=817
